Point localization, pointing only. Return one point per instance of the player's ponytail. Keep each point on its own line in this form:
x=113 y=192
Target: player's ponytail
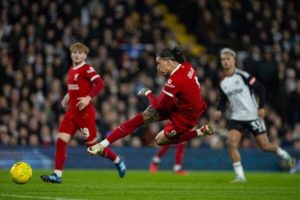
x=173 y=54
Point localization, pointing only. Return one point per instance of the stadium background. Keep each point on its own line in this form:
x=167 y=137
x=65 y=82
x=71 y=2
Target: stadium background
x=123 y=37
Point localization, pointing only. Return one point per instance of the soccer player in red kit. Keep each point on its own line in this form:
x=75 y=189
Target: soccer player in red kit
x=83 y=84
x=180 y=102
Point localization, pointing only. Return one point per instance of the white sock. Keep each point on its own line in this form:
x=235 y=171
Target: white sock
x=117 y=160
x=156 y=160
x=177 y=167
x=199 y=133
x=282 y=153
x=58 y=172
x=238 y=169
x=105 y=143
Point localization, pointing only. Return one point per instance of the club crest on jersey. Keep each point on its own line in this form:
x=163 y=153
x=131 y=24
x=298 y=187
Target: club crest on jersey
x=76 y=77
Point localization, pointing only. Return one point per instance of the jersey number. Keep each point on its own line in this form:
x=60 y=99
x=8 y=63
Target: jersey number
x=258 y=125
x=85 y=132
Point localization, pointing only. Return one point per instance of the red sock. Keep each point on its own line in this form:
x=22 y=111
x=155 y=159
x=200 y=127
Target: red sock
x=162 y=151
x=108 y=153
x=60 y=154
x=184 y=137
x=126 y=128
x=179 y=154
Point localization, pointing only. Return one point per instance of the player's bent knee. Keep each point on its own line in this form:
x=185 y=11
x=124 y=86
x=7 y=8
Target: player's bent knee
x=161 y=139
x=159 y=142
x=64 y=136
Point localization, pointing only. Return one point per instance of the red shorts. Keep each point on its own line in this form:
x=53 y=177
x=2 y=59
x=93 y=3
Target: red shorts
x=85 y=124
x=178 y=123
x=172 y=131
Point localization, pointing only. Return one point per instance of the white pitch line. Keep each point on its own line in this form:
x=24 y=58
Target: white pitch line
x=36 y=197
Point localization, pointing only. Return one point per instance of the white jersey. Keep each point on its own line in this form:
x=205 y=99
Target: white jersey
x=241 y=98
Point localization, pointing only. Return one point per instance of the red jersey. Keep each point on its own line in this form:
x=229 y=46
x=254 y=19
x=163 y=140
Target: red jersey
x=183 y=85
x=79 y=85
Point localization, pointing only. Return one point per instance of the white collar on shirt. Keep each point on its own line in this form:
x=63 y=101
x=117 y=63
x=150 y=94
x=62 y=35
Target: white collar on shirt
x=78 y=66
x=175 y=69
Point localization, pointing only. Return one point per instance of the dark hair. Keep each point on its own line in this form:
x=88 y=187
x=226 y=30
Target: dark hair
x=173 y=54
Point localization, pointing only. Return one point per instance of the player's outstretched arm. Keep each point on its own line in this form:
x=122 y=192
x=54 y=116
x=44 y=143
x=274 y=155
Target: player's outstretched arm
x=161 y=102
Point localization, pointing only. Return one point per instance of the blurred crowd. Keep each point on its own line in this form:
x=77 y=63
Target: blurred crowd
x=123 y=37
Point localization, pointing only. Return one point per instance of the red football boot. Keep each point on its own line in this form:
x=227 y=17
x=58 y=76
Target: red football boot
x=153 y=168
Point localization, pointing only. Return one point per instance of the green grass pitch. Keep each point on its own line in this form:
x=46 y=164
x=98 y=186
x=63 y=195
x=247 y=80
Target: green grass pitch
x=140 y=185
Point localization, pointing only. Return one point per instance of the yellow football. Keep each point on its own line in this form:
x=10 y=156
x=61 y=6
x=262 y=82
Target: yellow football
x=21 y=172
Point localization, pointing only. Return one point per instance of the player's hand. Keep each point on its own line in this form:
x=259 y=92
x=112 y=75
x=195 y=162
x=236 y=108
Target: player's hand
x=83 y=102
x=217 y=115
x=65 y=101
x=261 y=112
x=144 y=92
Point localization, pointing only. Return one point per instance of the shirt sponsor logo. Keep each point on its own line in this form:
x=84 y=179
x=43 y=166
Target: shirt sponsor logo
x=169 y=84
x=73 y=87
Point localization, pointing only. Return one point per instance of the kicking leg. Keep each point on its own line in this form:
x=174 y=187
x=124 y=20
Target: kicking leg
x=126 y=128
